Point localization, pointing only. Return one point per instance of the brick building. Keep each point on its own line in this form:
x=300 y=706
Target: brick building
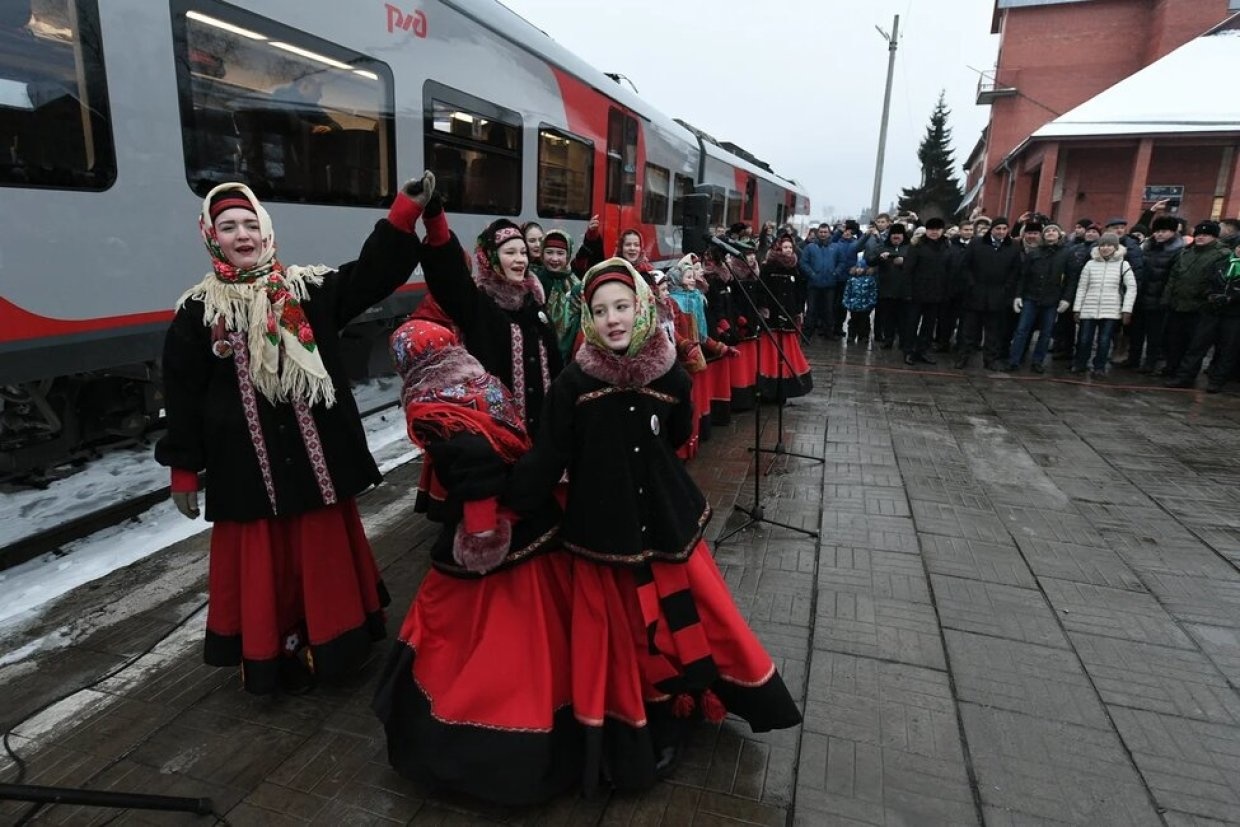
x=1092 y=101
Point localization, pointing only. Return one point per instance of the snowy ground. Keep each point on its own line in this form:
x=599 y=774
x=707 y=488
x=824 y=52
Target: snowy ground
x=120 y=475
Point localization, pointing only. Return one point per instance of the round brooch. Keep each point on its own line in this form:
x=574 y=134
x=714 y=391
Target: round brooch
x=222 y=348
x=654 y=424
x=542 y=317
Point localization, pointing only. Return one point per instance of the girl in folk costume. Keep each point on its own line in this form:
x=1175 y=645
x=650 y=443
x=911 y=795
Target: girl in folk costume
x=656 y=637
x=782 y=304
x=590 y=252
x=632 y=248
x=532 y=232
x=691 y=324
x=562 y=289
x=498 y=309
x=476 y=695
x=723 y=325
x=744 y=369
x=256 y=394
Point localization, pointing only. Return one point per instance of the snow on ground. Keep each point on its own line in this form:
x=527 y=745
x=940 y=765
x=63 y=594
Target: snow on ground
x=32 y=584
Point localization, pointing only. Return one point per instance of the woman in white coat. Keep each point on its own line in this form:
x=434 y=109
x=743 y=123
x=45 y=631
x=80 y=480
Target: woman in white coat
x=1105 y=295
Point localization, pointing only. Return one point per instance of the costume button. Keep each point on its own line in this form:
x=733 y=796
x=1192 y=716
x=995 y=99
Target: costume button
x=632 y=408
x=641 y=490
x=637 y=449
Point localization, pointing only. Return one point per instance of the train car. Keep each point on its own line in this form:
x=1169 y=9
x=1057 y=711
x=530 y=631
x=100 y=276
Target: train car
x=117 y=117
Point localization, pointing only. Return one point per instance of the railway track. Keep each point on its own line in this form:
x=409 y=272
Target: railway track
x=55 y=539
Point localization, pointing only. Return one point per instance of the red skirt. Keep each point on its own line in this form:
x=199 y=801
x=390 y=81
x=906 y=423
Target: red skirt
x=304 y=586
x=775 y=377
x=743 y=371
x=719 y=384
x=627 y=686
x=476 y=694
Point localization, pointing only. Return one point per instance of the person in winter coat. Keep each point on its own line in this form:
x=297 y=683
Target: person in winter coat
x=927 y=268
x=1218 y=328
x=1187 y=285
x=492 y=612
x=1104 y=296
x=562 y=289
x=590 y=252
x=632 y=248
x=817 y=266
x=845 y=245
x=991 y=264
x=887 y=258
x=1149 y=326
x=951 y=309
x=257 y=395
x=1040 y=297
x=656 y=637
x=1079 y=248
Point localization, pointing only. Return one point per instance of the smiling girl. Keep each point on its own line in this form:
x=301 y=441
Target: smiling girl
x=656 y=637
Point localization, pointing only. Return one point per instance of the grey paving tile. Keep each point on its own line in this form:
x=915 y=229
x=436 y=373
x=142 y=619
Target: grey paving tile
x=1022 y=677
x=1080 y=564
x=1209 y=600
x=1179 y=682
x=997 y=610
x=1050 y=771
x=1222 y=646
x=874 y=627
x=976 y=560
x=1099 y=610
x=1192 y=766
x=953 y=521
x=881 y=574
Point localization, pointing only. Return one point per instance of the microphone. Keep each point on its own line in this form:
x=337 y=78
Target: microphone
x=723 y=245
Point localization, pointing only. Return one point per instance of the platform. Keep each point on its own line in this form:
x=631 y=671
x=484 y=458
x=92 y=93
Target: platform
x=1024 y=609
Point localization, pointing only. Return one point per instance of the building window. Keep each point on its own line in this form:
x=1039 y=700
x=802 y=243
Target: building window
x=734 y=207
x=54 y=114
x=298 y=118
x=684 y=186
x=565 y=174
x=474 y=147
x=751 y=191
x=655 y=197
x=621 y=157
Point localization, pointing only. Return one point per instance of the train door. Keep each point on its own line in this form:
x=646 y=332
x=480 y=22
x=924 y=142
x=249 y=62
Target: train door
x=620 y=198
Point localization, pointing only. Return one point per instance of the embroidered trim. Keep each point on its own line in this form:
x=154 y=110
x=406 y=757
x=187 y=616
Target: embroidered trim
x=770 y=673
x=518 y=370
x=249 y=404
x=546 y=368
x=647 y=554
x=610 y=389
x=314 y=450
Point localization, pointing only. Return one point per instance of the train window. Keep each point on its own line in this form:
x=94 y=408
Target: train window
x=717 y=206
x=621 y=157
x=655 y=199
x=296 y=117
x=474 y=148
x=684 y=186
x=734 y=207
x=751 y=191
x=54 y=114
x=781 y=213
x=565 y=174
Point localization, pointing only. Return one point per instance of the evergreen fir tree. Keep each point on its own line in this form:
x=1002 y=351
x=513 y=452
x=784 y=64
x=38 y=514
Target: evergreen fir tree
x=939 y=194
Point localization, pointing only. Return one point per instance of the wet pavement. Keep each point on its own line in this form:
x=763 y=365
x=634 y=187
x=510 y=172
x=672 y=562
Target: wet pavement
x=1024 y=607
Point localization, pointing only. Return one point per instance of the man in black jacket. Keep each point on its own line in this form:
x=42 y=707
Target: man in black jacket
x=1160 y=250
x=927 y=268
x=992 y=264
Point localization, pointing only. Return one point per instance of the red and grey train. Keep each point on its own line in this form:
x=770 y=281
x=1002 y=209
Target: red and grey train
x=117 y=116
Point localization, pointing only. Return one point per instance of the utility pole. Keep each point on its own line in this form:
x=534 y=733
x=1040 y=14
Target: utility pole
x=893 y=40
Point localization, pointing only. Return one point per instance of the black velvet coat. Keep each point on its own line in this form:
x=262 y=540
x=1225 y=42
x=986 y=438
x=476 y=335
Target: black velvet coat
x=487 y=328
x=630 y=499
x=787 y=285
x=206 y=422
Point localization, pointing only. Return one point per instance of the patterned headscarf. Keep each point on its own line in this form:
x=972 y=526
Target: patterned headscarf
x=447 y=391
x=642 y=265
x=689 y=299
x=489 y=274
x=646 y=314
x=264 y=303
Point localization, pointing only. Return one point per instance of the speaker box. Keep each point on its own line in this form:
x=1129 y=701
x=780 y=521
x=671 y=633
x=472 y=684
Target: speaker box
x=695 y=224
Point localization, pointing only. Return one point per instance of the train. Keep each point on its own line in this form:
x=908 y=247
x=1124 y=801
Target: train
x=117 y=117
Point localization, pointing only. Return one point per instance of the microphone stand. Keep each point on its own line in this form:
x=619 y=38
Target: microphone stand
x=757 y=513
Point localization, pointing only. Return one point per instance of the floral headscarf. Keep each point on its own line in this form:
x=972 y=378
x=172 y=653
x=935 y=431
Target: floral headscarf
x=642 y=265
x=646 y=314
x=263 y=302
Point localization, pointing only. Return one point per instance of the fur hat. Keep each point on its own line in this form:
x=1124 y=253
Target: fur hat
x=1109 y=238
x=1083 y=223
x=1032 y=227
x=1165 y=222
x=851 y=224
x=1139 y=229
x=1210 y=228
x=935 y=223
x=897 y=229
x=1000 y=219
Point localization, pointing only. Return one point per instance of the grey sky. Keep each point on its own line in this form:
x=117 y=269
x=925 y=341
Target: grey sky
x=799 y=83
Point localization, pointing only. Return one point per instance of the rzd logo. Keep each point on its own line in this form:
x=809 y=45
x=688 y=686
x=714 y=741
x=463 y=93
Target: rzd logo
x=414 y=22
